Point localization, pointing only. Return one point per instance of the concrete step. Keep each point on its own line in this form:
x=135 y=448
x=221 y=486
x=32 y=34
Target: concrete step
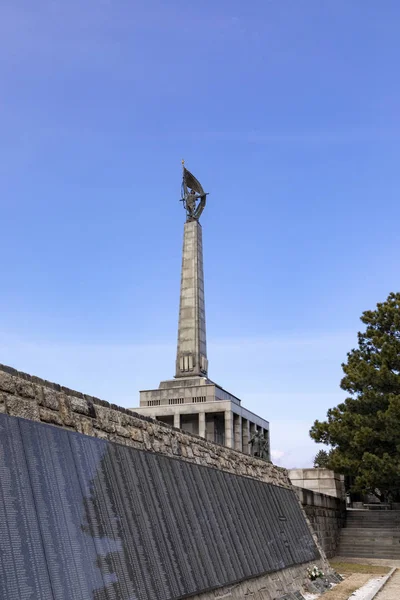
x=371 y=543
x=372 y=526
x=375 y=542
x=386 y=514
x=370 y=534
x=372 y=546
x=357 y=555
x=368 y=555
x=388 y=541
x=368 y=552
x=357 y=512
x=373 y=516
x=355 y=532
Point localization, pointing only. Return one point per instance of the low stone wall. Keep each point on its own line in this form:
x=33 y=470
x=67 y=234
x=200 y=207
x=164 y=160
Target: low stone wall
x=276 y=586
x=324 y=481
x=30 y=397
x=327 y=516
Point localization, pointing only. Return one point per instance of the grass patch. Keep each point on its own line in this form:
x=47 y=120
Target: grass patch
x=344 y=567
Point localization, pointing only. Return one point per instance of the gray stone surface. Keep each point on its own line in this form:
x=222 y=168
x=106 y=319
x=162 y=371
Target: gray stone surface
x=287 y=582
x=327 y=516
x=324 y=481
x=372 y=534
x=191 y=356
x=200 y=399
x=7 y=383
x=21 y=407
x=391 y=589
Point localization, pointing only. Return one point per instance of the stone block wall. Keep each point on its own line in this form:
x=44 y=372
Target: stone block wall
x=327 y=516
x=30 y=397
x=324 y=481
x=273 y=586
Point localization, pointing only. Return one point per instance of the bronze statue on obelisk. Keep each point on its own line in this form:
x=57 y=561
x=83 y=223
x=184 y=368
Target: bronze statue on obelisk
x=193 y=195
x=191 y=356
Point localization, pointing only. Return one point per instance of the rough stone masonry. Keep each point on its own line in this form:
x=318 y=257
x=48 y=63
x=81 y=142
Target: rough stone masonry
x=30 y=397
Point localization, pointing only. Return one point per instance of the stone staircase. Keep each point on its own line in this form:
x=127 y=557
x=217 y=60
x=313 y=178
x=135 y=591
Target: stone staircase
x=371 y=534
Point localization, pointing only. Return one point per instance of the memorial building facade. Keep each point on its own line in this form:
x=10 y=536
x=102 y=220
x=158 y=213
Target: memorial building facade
x=191 y=401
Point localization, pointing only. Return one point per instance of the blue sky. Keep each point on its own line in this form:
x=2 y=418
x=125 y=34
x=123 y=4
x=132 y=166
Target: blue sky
x=287 y=112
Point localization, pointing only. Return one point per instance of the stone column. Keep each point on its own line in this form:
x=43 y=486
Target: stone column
x=202 y=424
x=245 y=436
x=266 y=435
x=177 y=420
x=229 y=428
x=237 y=429
x=191 y=357
x=210 y=427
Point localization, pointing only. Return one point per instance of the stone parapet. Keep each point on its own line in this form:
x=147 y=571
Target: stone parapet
x=324 y=481
x=29 y=397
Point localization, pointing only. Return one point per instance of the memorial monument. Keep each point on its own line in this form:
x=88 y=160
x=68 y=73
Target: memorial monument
x=191 y=401
x=100 y=503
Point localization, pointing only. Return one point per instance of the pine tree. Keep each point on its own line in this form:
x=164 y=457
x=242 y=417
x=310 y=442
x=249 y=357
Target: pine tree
x=364 y=430
x=321 y=460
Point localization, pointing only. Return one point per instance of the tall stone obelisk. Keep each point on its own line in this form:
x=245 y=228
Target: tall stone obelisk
x=191 y=356
x=191 y=401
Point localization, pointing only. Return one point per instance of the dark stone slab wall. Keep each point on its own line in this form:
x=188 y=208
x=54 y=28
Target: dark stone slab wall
x=112 y=522
x=29 y=397
x=327 y=516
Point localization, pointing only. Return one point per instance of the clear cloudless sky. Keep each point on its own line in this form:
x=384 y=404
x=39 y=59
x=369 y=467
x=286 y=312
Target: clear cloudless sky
x=288 y=113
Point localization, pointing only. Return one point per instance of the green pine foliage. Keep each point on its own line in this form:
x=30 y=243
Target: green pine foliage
x=364 y=430
x=321 y=460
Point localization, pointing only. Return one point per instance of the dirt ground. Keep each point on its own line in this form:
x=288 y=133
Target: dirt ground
x=344 y=589
x=355 y=575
